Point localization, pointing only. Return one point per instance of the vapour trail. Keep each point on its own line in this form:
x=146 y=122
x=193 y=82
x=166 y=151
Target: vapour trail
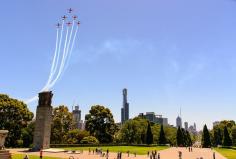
x=72 y=46
x=54 y=60
x=68 y=47
x=63 y=59
x=58 y=64
x=59 y=51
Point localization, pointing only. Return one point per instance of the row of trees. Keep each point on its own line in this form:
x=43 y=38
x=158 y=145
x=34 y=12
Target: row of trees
x=101 y=128
x=223 y=134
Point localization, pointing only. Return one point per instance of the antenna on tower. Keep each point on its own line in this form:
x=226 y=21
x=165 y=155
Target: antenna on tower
x=73 y=104
x=180 y=113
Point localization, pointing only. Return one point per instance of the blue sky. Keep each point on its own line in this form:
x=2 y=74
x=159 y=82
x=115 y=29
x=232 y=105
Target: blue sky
x=168 y=54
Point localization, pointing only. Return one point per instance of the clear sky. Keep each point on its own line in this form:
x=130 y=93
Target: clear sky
x=168 y=54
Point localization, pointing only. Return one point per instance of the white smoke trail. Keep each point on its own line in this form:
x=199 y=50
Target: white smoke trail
x=72 y=46
x=54 y=64
x=62 y=62
x=58 y=57
x=67 y=51
x=55 y=58
x=68 y=46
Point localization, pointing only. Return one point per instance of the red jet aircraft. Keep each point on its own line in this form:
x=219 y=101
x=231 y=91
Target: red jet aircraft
x=64 y=17
x=58 y=25
x=70 y=10
x=75 y=17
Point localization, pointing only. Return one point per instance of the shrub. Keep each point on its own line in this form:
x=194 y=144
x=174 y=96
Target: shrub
x=89 y=140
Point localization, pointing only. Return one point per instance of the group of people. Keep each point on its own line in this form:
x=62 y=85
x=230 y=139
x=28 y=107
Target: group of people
x=153 y=155
x=100 y=152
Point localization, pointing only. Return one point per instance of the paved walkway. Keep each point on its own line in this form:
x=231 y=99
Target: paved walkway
x=171 y=153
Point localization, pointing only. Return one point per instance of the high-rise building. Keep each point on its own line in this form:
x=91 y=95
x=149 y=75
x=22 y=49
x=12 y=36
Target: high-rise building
x=178 y=122
x=195 y=126
x=77 y=122
x=216 y=123
x=152 y=117
x=125 y=108
x=186 y=125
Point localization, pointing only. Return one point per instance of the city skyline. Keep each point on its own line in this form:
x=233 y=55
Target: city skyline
x=167 y=54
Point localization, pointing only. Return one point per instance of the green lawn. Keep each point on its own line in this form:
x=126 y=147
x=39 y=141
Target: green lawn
x=228 y=153
x=19 y=156
x=140 y=150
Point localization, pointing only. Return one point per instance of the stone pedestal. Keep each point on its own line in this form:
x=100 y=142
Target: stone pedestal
x=4 y=154
x=42 y=130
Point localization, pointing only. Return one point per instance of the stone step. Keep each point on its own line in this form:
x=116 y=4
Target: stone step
x=5 y=155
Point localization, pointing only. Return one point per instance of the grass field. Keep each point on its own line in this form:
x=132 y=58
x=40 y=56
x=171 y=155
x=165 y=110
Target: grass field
x=18 y=156
x=228 y=153
x=139 y=150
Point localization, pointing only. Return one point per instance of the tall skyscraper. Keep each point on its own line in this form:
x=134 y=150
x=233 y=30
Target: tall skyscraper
x=76 y=114
x=195 y=127
x=77 y=122
x=186 y=125
x=178 y=122
x=125 y=108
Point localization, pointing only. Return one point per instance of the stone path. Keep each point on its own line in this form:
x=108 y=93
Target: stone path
x=171 y=153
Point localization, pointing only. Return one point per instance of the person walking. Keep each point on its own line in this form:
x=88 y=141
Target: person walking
x=41 y=154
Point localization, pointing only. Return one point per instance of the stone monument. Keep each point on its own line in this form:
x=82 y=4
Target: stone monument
x=4 y=154
x=42 y=130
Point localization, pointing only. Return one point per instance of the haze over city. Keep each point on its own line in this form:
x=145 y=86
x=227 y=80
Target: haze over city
x=168 y=54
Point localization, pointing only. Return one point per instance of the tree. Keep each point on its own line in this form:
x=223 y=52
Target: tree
x=217 y=136
x=14 y=116
x=142 y=124
x=100 y=123
x=226 y=138
x=149 y=135
x=61 y=123
x=89 y=140
x=130 y=132
x=188 y=139
x=76 y=135
x=234 y=136
x=170 y=133
x=27 y=134
x=179 y=137
x=206 y=140
x=162 y=136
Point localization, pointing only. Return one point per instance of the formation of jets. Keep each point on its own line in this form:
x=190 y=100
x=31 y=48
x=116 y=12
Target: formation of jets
x=70 y=10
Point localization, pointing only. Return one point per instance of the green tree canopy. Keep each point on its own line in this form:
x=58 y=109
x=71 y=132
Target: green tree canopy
x=206 y=140
x=149 y=135
x=217 y=136
x=14 y=116
x=90 y=140
x=27 y=134
x=226 y=138
x=130 y=132
x=75 y=136
x=61 y=123
x=100 y=123
x=234 y=135
x=188 y=141
x=180 y=137
x=162 y=137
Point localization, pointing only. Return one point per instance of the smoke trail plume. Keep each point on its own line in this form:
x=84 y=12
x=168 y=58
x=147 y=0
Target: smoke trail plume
x=60 y=57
